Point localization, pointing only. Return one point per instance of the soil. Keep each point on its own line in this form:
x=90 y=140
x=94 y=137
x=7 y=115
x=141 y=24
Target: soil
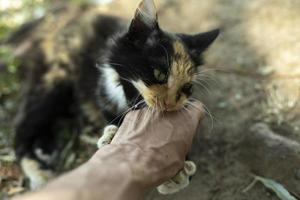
x=252 y=74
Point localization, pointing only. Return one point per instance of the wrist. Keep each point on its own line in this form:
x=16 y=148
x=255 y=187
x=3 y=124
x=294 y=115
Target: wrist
x=117 y=166
x=144 y=168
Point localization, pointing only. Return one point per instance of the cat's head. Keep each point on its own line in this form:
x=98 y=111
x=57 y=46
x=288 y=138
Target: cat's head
x=159 y=66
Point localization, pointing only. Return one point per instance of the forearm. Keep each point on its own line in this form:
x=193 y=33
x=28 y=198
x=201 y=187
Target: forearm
x=106 y=176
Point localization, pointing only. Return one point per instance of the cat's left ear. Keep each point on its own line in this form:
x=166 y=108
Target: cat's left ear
x=199 y=42
x=144 y=22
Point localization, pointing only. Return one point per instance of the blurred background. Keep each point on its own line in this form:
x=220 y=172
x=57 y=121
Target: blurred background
x=251 y=87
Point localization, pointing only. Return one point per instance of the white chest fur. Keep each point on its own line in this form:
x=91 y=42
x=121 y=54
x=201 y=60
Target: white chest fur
x=113 y=88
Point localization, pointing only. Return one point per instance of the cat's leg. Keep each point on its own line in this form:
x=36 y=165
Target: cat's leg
x=180 y=180
x=35 y=141
x=107 y=136
x=34 y=172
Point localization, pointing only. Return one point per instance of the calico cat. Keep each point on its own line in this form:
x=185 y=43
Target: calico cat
x=142 y=66
x=148 y=66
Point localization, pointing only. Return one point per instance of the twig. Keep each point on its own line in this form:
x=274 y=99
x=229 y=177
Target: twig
x=250 y=186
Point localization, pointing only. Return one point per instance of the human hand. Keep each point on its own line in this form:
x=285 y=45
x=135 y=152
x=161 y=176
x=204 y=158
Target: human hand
x=154 y=143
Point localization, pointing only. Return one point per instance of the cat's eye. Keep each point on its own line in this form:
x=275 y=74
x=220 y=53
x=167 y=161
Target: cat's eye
x=187 y=89
x=159 y=75
x=178 y=95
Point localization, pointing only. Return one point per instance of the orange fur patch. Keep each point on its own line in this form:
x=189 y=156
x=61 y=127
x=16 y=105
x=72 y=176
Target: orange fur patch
x=181 y=72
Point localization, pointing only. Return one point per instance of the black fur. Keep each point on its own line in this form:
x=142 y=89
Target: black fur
x=35 y=130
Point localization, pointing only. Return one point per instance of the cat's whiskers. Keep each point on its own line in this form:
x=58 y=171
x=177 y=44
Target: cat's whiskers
x=202 y=70
x=155 y=107
x=202 y=85
x=136 y=105
x=212 y=118
x=201 y=80
x=121 y=115
x=140 y=102
x=110 y=63
x=146 y=113
x=184 y=110
x=151 y=119
x=122 y=78
x=205 y=77
x=202 y=74
x=156 y=103
x=136 y=98
x=161 y=108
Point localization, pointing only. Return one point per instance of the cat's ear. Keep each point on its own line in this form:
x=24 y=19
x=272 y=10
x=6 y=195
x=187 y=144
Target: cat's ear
x=144 y=22
x=199 y=42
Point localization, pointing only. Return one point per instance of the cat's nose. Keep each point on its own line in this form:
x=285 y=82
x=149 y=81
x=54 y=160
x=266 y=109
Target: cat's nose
x=168 y=105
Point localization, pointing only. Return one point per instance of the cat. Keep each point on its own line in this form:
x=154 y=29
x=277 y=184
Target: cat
x=143 y=66
x=147 y=66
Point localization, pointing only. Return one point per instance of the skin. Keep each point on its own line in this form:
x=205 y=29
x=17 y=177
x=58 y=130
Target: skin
x=140 y=157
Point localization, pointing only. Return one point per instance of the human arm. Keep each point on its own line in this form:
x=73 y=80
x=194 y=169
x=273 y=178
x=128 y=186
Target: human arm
x=148 y=149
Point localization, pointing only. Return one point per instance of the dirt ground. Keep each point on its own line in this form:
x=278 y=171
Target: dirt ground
x=252 y=74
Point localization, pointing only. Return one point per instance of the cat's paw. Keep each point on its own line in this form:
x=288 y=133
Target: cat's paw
x=180 y=180
x=34 y=172
x=107 y=136
x=190 y=168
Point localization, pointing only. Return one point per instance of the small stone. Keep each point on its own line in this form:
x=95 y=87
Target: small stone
x=257 y=86
x=267 y=70
x=238 y=96
x=222 y=104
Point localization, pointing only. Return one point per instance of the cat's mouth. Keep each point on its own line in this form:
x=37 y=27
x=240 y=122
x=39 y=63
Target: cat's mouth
x=161 y=97
x=171 y=107
x=161 y=105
